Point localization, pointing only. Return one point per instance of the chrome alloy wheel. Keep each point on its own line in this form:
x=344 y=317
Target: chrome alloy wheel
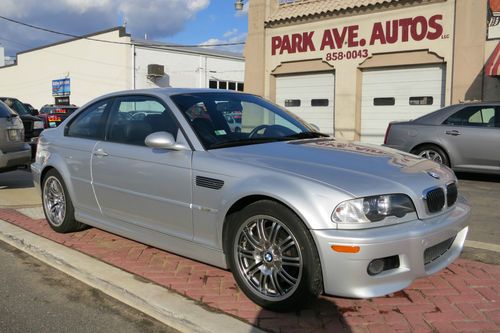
x=54 y=201
x=431 y=155
x=269 y=257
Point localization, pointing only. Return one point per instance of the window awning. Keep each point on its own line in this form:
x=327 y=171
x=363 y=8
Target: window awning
x=493 y=64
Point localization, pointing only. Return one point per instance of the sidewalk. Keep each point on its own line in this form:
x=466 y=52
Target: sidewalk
x=463 y=298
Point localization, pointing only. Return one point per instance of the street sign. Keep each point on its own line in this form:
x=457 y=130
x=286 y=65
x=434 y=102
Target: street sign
x=61 y=87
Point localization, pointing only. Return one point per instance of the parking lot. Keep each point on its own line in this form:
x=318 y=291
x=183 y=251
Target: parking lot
x=465 y=297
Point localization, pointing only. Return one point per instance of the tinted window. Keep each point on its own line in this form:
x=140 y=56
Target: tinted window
x=292 y=103
x=381 y=101
x=91 y=122
x=16 y=105
x=134 y=118
x=425 y=100
x=319 y=102
x=482 y=116
x=5 y=112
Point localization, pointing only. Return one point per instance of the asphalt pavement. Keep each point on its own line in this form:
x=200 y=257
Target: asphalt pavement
x=35 y=297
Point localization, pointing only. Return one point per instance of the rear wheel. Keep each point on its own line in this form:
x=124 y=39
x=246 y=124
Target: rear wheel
x=273 y=256
x=57 y=204
x=433 y=153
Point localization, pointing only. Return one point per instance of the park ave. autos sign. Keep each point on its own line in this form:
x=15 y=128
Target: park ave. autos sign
x=350 y=42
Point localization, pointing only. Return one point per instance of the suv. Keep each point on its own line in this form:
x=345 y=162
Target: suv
x=14 y=152
x=33 y=125
x=53 y=115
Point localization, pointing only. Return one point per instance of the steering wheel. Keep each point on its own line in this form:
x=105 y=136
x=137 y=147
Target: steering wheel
x=256 y=130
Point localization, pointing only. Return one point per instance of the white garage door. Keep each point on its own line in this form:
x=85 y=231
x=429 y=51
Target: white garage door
x=310 y=96
x=398 y=94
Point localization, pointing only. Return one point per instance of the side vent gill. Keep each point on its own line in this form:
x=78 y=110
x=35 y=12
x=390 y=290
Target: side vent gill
x=211 y=183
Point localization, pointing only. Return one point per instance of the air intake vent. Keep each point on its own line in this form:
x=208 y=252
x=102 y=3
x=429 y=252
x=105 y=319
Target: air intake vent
x=214 y=184
x=435 y=200
x=451 y=194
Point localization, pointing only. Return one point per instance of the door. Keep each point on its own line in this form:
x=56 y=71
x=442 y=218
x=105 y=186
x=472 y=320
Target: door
x=309 y=96
x=472 y=136
x=399 y=94
x=81 y=136
x=146 y=187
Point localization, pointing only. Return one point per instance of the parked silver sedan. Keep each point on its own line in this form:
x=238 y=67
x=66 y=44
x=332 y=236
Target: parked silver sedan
x=292 y=212
x=465 y=137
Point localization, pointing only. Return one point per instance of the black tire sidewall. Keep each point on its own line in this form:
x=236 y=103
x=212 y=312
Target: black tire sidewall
x=311 y=281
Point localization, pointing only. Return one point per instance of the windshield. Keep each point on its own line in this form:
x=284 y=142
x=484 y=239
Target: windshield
x=230 y=119
x=16 y=105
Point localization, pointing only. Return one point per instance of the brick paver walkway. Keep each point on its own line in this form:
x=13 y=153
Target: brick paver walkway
x=463 y=298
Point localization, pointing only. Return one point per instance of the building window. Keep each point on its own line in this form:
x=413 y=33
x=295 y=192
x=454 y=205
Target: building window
x=241 y=86
x=319 y=102
x=424 y=100
x=212 y=84
x=232 y=85
x=383 y=101
x=222 y=85
x=292 y=103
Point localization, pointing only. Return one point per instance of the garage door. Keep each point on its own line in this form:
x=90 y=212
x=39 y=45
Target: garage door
x=398 y=94
x=310 y=96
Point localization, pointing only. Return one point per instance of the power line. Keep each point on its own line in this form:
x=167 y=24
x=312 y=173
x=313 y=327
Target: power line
x=152 y=45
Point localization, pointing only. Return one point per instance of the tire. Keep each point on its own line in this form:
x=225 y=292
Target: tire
x=258 y=263
x=433 y=153
x=57 y=205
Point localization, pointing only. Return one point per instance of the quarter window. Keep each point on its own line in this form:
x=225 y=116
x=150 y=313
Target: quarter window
x=90 y=123
x=134 y=118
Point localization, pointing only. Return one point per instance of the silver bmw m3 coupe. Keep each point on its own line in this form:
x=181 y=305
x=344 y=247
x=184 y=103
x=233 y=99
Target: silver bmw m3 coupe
x=290 y=211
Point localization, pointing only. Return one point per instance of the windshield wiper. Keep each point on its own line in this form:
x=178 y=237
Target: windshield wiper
x=245 y=142
x=306 y=135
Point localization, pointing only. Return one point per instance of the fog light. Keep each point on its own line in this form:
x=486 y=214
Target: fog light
x=380 y=265
x=376 y=266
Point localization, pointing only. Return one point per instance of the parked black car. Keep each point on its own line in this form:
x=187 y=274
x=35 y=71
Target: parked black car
x=33 y=125
x=53 y=115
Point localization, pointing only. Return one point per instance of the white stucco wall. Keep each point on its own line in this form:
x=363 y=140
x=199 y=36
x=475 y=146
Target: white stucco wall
x=95 y=68
x=185 y=69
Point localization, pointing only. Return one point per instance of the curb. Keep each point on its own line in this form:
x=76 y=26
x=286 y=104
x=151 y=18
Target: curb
x=165 y=306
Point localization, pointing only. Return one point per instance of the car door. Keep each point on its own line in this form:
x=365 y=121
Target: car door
x=139 y=185
x=473 y=137
x=81 y=135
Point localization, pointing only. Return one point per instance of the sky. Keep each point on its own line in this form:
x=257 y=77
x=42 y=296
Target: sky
x=200 y=22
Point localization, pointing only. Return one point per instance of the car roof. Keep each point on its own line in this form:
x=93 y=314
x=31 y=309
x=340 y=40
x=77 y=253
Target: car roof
x=167 y=92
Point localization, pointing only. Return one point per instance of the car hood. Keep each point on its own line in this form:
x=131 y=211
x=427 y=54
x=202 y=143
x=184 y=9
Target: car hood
x=359 y=169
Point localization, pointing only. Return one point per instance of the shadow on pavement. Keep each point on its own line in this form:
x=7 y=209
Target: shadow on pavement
x=478 y=177
x=16 y=179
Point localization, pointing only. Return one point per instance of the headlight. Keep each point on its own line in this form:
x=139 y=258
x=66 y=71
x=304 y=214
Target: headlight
x=373 y=209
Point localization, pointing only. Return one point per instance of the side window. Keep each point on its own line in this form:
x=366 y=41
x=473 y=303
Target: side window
x=473 y=116
x=134 y=118
x=90 y=123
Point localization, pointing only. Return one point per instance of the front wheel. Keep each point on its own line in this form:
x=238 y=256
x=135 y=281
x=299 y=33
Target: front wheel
x=273 y=256
x=57 y=204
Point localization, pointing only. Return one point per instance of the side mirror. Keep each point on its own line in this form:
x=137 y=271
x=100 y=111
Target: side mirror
x=163 y=140
x=35 y=112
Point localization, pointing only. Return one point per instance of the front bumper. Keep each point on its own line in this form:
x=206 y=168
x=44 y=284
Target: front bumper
x=345 y=274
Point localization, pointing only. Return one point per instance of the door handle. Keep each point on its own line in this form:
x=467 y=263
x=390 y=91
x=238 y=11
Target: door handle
x=453 y=132
x=100 y=152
